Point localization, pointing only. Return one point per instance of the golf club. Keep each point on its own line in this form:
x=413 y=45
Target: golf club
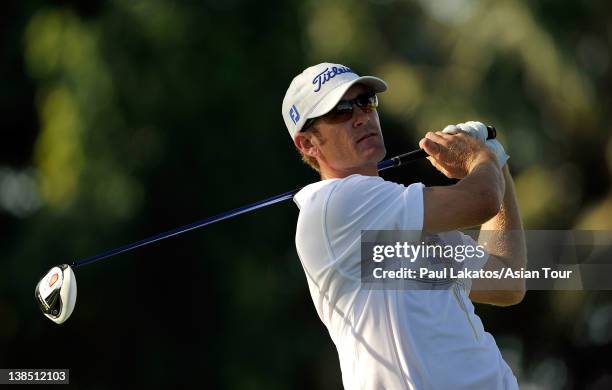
x=56 y=291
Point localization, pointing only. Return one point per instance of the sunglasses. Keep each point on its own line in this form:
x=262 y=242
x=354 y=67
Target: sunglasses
x=343 y=111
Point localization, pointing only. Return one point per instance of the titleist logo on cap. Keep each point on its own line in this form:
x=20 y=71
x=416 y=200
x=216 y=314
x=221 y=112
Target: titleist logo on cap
x=329 y=74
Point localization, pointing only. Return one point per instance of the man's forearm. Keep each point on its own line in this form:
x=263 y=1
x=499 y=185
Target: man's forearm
x=484 y=186
x=485 y=176
x=504 y=233
x=473 y=200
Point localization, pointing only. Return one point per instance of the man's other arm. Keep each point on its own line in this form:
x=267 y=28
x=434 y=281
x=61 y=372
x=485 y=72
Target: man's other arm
x=505 y=243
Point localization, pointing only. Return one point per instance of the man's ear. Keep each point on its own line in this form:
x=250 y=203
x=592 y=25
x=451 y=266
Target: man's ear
x=304 y=144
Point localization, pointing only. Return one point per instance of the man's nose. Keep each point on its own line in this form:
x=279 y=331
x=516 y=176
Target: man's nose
x=360 y=115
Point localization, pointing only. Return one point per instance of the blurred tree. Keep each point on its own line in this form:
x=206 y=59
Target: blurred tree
x=127 y=118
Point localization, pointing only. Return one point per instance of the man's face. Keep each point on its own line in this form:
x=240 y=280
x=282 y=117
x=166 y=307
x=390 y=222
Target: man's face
x=353 y=144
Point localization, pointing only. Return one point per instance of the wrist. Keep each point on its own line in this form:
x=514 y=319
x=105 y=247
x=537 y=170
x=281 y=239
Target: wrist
x=485 y=155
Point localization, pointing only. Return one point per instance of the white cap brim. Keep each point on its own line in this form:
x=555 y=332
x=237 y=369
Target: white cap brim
x=333 y=97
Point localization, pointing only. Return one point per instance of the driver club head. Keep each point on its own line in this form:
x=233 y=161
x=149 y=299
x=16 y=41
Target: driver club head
x=56 y=293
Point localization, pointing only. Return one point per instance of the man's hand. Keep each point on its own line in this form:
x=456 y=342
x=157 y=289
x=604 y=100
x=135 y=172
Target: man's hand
x=476 y=198
x=454 y=155
x=479 y=131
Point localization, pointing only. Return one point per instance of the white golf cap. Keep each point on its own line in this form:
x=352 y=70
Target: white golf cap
x=318 y=89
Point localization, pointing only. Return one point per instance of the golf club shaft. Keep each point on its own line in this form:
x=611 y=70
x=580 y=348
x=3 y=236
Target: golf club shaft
x=386 y=164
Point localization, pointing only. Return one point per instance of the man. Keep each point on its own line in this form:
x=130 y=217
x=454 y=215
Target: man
x=399 y=338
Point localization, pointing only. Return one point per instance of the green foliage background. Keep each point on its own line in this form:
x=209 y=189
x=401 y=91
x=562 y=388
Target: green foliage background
x=122 y=119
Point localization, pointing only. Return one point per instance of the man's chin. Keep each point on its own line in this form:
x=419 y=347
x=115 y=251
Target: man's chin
x=375 y=151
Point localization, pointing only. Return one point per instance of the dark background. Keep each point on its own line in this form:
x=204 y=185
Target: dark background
x=122 y=119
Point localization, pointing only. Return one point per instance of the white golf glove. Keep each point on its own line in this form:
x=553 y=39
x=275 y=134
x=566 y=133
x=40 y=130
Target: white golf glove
x=479 y=131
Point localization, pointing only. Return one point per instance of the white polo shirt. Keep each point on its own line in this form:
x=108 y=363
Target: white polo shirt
x=389 y=339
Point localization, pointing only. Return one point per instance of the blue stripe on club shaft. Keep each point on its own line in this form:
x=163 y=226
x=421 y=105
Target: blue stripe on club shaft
x=186 y=228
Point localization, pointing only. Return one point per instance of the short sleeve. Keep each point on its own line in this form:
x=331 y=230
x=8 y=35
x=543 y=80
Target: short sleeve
x=413 y=208
x=361 y=203
x=371 y=203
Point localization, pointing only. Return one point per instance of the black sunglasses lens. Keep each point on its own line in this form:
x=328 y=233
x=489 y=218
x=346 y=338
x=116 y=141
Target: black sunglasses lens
x=344 y=110
x=366 y=100
x=341 y=113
